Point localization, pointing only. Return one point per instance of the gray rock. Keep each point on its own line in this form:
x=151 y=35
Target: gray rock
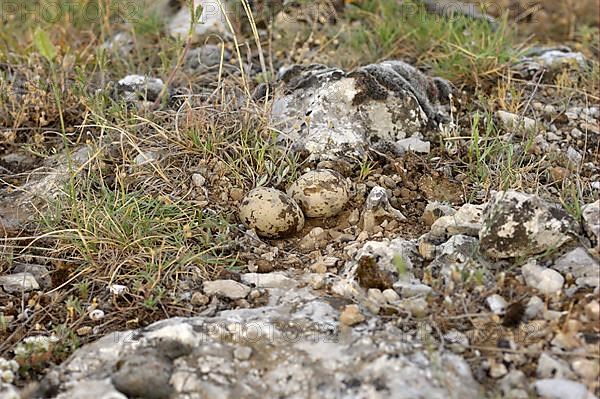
x=465 y=221
x=559 y=388
x=226 y=288
x=8 y=391
x=205 y=57
x=268 y=280
x=39 y=272
x=413 y=144
x=273 y=351
x=409 y=290
x=460 y=255
x=547 y=281
x=331 y=113
x=377 y=208
x=435 y=210
x=19 y=282
x=551 y=367
x=144 y=374
x=496 y=303
x=137 y=87
x=549 y=59
x=380 y=264
x=535 y=307
x=518 y=225
x=93 y=389
x=590 y=214
x=581 y=265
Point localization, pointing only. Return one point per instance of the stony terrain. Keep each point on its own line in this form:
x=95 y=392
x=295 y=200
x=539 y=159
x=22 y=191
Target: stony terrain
x=365 y=199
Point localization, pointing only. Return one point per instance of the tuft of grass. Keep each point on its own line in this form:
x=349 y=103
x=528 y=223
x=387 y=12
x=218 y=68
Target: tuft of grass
x=457 y=48
x=137 y=240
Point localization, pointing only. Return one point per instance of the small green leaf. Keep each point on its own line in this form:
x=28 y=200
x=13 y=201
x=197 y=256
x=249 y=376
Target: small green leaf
x=400 y=264
x=198 y=14
x=44 y=45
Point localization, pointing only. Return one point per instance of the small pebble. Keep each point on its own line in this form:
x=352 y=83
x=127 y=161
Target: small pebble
x=351 y=315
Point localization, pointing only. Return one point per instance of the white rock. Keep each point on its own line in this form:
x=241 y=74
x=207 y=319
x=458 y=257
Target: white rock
x=146 y=157
x=534 y=308
x=514 y=121
x=139 y=87
x=409 y=290
x=242 y=352
x=497 y=304
x=226 y=288
x=331 y=113
x=550 y=367
x=19 y=282
x=592 y=310
x=198 y=180
x=586 y=369
x=413 y=144
x=558 y=388
x=96 y=314
x=545 y=280
x=435 y=210
x=376 y=296
x=581 y=265
x=390 y=295
x=117 y=289
x=268 y=280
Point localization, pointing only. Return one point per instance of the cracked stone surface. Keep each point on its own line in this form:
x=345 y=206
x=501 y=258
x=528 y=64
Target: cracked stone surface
x=293 y=347
x=329 y=112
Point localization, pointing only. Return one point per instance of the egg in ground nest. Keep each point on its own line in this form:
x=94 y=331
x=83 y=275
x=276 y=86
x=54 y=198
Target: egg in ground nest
x=271 y=213
x=320 y=193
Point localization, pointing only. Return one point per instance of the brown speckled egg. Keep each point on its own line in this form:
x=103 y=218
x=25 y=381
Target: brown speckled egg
x=271 y=213
x=320 y=193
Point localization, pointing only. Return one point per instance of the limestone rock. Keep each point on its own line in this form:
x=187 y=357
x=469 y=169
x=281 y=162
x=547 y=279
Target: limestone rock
x=19 y=282
x=591 y=222
x=377 y=208
x=581 y=265
x=517 y=224
x=331 y=113
x=226 y=288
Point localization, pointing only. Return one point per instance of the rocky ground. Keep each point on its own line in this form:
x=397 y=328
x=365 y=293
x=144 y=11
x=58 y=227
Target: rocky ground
x=359 y=199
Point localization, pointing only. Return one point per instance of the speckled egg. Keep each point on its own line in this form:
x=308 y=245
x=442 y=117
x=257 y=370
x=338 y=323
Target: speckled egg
x=271 y=213
x=320 y=193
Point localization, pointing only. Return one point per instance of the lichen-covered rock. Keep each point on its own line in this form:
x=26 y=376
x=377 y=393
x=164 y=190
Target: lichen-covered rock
x=273 y=351
x=518 y=224
x=140 y=88
x=320 y=193
x=271 y=213
x=549 y=60
x=332 y=113
x=380 y=264
x=590 y=214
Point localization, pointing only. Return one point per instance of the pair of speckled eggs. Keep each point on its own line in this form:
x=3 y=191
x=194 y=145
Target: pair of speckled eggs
x=272 y=213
